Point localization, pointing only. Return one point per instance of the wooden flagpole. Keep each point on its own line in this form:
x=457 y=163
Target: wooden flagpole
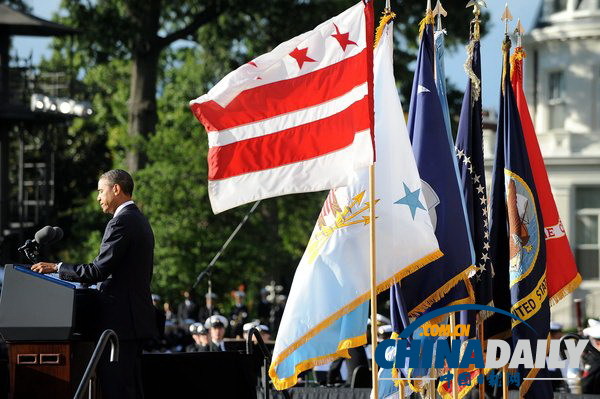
x=454 y=371
x=505 y=382
x=480 y=334
x=373 y=281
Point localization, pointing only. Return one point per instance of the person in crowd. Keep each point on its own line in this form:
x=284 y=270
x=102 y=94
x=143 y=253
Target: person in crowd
x=265 y=332
x=169 y=313
x=247 y=327
x=590 y=382
x=160 y=316
x=384 y=332
x=123 y=272
x=264 y=307
x=216 y=325
x=239 y=314
x=556 y=332
x=210 y=308
x=188 y=309
x=200 y=336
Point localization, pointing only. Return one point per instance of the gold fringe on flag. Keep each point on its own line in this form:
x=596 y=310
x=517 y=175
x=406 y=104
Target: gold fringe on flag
x=441 y=292
x=383 y=21
x=566 y=290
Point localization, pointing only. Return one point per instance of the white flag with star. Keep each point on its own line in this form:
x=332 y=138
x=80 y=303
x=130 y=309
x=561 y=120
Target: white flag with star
x=327 y=308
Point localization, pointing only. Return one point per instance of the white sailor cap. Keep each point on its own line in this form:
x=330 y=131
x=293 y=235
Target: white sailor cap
x=216 y=321
x=593 y=323
x=381 y=320
x=249 y=325
x=263 y=328
x=592 y=332
x=198 y=328
x=385 y=329
x=555 y=327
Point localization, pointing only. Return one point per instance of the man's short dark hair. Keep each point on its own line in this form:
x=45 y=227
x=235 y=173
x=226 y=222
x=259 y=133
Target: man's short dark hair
x=120 y=177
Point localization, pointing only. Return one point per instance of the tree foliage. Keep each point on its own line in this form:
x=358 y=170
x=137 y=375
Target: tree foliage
x=172 y=188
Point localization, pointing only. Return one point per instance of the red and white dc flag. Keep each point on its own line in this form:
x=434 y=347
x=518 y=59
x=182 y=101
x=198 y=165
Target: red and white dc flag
x=297 y=119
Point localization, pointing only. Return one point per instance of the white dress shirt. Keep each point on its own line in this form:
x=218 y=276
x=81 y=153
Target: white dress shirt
x=120 y=207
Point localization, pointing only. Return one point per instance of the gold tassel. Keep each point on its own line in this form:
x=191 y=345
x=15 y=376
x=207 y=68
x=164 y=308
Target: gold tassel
x=428 y=20
x=506 y=44
x=383 y=21
x=475 y=81
x=518 y=55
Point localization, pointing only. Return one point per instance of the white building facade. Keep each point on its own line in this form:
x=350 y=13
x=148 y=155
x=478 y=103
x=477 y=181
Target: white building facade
x=562 y=84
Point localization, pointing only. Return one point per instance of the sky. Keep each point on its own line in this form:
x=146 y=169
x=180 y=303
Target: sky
x=490 y=44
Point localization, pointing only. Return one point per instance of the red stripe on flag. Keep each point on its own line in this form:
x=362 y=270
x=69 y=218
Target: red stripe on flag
x=370 y=31
x=285 y=96
x=289 y=146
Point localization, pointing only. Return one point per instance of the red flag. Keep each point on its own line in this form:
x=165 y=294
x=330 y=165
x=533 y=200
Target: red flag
x=297 y=119
x=561 y=271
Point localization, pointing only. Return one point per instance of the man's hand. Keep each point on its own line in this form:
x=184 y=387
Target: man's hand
x=45 y=267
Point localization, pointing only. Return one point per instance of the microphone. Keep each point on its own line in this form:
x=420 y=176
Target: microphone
x=58 y=234
x=44 y=236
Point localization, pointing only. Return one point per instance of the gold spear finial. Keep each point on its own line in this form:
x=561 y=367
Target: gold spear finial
x=439 y=12
x=477 y=5
x=476 y=22
x=506 y=17
x=519 y=31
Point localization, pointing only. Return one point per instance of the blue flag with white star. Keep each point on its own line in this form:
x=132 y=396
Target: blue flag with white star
x=517 y=232
x=469 y=152
x=434 y=153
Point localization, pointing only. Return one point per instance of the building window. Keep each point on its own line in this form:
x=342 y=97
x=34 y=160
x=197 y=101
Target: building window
x=559 y=5
x=556 y=100
x=587 y=232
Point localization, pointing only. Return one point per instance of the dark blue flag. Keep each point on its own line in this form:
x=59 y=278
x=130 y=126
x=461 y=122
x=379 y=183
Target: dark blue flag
x=437 y=167
x=516 y=229
x=469 y=152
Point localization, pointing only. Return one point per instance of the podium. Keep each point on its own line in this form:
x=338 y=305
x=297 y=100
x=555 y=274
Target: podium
x=49 y=327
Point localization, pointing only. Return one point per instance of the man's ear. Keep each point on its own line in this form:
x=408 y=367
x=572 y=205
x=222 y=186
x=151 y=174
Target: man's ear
x=117 y=189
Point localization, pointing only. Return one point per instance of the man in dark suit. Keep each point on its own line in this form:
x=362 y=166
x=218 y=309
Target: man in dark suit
x=123 y=269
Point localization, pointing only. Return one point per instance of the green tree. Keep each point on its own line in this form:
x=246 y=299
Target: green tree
x=172 y=187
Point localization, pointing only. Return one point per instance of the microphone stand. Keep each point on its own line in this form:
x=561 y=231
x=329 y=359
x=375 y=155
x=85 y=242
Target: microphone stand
x=208 y=270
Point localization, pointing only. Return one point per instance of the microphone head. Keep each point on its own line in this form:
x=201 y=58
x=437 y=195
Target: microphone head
x=45 y=235
x=58 y=234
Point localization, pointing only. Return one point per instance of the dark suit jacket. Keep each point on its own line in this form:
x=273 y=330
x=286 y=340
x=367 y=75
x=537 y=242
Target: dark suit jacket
x=123 y=268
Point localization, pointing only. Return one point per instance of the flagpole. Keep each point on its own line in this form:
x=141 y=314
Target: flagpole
x=506 y=17
x=454 y=371
x=373 y=281
x=505 y=382
x=480 y=333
